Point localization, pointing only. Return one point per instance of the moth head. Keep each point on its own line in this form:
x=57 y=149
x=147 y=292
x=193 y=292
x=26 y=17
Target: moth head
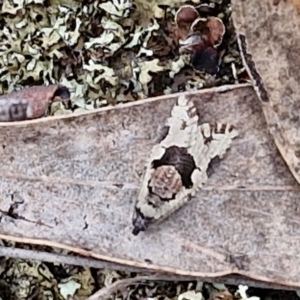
x=140 y=222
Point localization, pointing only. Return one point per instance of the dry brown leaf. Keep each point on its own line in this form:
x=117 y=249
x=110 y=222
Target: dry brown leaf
x=66 y=204
x=273 y=66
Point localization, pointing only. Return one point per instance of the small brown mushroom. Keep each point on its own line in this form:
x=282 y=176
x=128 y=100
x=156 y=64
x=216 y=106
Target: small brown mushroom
x=199 y=36
x=203 y=57
x=31 y=103
x=211 y=29
x=184 y=18
x=205 y=35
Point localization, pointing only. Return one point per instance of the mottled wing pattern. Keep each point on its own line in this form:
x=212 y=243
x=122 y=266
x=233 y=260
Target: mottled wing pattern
x=218 y=137
x=178 y=164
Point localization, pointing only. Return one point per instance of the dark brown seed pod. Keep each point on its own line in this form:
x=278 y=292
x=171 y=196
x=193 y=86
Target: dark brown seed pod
x=31 y=103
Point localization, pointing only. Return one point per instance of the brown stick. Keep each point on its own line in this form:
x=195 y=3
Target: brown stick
x=107 y=291
x=119 y=285
x=26 y=254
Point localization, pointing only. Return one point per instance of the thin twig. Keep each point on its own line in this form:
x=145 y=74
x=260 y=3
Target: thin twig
x=69 y=259
x=107 y=291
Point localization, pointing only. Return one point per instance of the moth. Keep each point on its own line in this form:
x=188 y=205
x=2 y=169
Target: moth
x=31 y=103
x=178 y=164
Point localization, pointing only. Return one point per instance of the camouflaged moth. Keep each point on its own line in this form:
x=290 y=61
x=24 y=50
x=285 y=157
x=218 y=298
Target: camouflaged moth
x=178 y=164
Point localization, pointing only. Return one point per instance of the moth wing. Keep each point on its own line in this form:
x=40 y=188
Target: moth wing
x=182 y=129
x=183 y=124
x=191 y=142
x=220 y=137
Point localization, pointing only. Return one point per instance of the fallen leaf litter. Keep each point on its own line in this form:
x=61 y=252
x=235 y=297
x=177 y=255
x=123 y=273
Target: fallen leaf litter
x=108 y=52
x=104 y=53
x=21 y=279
